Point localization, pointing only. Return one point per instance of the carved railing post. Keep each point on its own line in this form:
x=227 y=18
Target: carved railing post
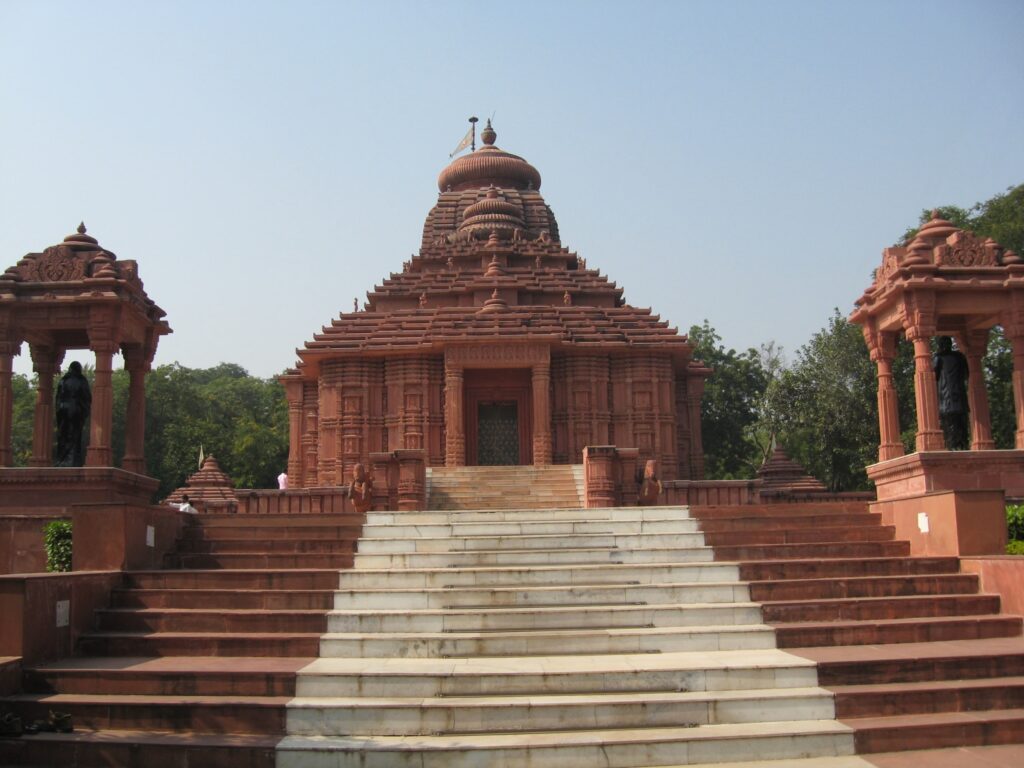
x=599 y=475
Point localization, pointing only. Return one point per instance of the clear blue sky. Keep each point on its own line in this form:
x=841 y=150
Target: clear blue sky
x=743 y=162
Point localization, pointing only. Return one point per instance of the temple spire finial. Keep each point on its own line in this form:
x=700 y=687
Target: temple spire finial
x=81 y=228
x=488 y=135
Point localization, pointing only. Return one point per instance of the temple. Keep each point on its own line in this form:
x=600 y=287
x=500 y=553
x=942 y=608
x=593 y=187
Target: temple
x=495 y=345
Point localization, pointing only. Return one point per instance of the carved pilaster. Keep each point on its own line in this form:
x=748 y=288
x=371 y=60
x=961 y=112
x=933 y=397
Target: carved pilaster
x=919 y=313
x=541 y=414
x=293 y=394
x=454 y=420
x=137 y=360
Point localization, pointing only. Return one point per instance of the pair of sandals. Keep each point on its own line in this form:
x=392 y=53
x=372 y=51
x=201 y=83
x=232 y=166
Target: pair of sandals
x=56 y=722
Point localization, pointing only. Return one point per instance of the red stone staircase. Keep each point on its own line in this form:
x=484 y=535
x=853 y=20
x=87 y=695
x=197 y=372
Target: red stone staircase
x=916 y=656
x=193 y=665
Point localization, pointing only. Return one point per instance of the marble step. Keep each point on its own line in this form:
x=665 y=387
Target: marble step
x=540 y=541
x=567 y=527
x=586 y=594
x=510 y=714
x=550 y=642
x=538 y=675
x=595 y=514
x=512 y=557
x=445 y=577
x=543 y=617
x=629 y=748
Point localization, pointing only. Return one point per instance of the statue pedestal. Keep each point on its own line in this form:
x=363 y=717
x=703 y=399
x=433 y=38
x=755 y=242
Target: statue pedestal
x=26 y=487
x=949 y=502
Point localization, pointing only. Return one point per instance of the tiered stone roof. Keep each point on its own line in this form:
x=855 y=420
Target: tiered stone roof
x=781 y=475
x=491 y=266
x=209 y=484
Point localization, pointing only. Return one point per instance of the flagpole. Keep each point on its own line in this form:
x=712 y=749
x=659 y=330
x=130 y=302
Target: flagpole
x=472 y=126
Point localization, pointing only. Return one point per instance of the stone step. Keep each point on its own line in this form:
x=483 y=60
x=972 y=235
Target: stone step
x=896 y=631
x=534 y=675
x=199 y=644
x=547 y=642
x=521 y=596
x=259 y=560
x=810 y=519
x=595 y=514
x=207 y=521
x=529 y=527
x=842 y=509
x=823 y=550
x=520 y=542
x=542 y=617
x=512 y=557
x=233 y=599
x=972 y=659
x=299 y=578
x=799 y=536
x=197 y=714
x=930 y=696
x=264 y=533
x=182 y=676
x=846 y=566
x=267 y=546
x=606 y=747
x=511 y=714
x=139 y=747
x=864 y=586
x=872 y=608
x=443 y=577
x=941 y=729
x=209 y=620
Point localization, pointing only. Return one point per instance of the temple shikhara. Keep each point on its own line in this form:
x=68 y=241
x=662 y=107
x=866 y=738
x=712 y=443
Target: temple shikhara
x=495 y=345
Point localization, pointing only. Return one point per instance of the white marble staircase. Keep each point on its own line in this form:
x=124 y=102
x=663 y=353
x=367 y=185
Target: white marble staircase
x=559 y=637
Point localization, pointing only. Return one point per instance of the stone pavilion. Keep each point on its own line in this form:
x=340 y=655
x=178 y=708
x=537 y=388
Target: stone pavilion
x=495 y=345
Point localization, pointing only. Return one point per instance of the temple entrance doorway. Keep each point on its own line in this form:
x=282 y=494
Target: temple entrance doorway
x=498 y=417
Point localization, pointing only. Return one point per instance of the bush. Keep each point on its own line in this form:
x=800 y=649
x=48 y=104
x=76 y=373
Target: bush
x=1015 y=547
x=57 y=539
x=1015 y=521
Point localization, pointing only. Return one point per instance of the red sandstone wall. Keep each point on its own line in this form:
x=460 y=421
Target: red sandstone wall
x=21 y=542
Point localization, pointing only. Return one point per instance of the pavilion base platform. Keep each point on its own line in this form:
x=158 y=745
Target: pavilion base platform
x=949 y=502
x=63 y=486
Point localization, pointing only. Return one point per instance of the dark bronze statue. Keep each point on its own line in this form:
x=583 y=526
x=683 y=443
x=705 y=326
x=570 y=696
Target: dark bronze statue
x=74 y=401
x=951 y=374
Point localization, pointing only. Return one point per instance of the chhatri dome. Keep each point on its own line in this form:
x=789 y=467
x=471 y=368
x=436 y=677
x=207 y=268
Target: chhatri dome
x=494 y=344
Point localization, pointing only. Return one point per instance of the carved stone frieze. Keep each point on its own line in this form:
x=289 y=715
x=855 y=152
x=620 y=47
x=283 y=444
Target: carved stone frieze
x=964 y=249
x=497 y=355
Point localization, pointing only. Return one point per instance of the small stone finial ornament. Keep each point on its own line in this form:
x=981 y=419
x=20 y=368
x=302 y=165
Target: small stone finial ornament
x=355 y=304
x=451 y=263
x=423 y=299
x=567 y=299
x=81 y=228
x=488 y=135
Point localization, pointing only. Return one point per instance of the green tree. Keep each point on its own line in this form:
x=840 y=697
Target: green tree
x=730 y=407
x=829 y=408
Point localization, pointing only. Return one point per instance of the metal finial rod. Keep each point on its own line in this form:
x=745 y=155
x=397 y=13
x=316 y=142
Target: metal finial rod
x=472 y=126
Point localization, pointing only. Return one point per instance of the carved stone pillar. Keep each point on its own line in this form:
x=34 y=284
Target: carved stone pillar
x=882 y=347
x=101 y=420
x=1017 y=340
x=694 y=393
x=974 y=345
x=137 y=363
x=293 y=393
x=7 y=352
x=542 y=414
x=926 y=395
x=454 y=419
x=46 y=363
